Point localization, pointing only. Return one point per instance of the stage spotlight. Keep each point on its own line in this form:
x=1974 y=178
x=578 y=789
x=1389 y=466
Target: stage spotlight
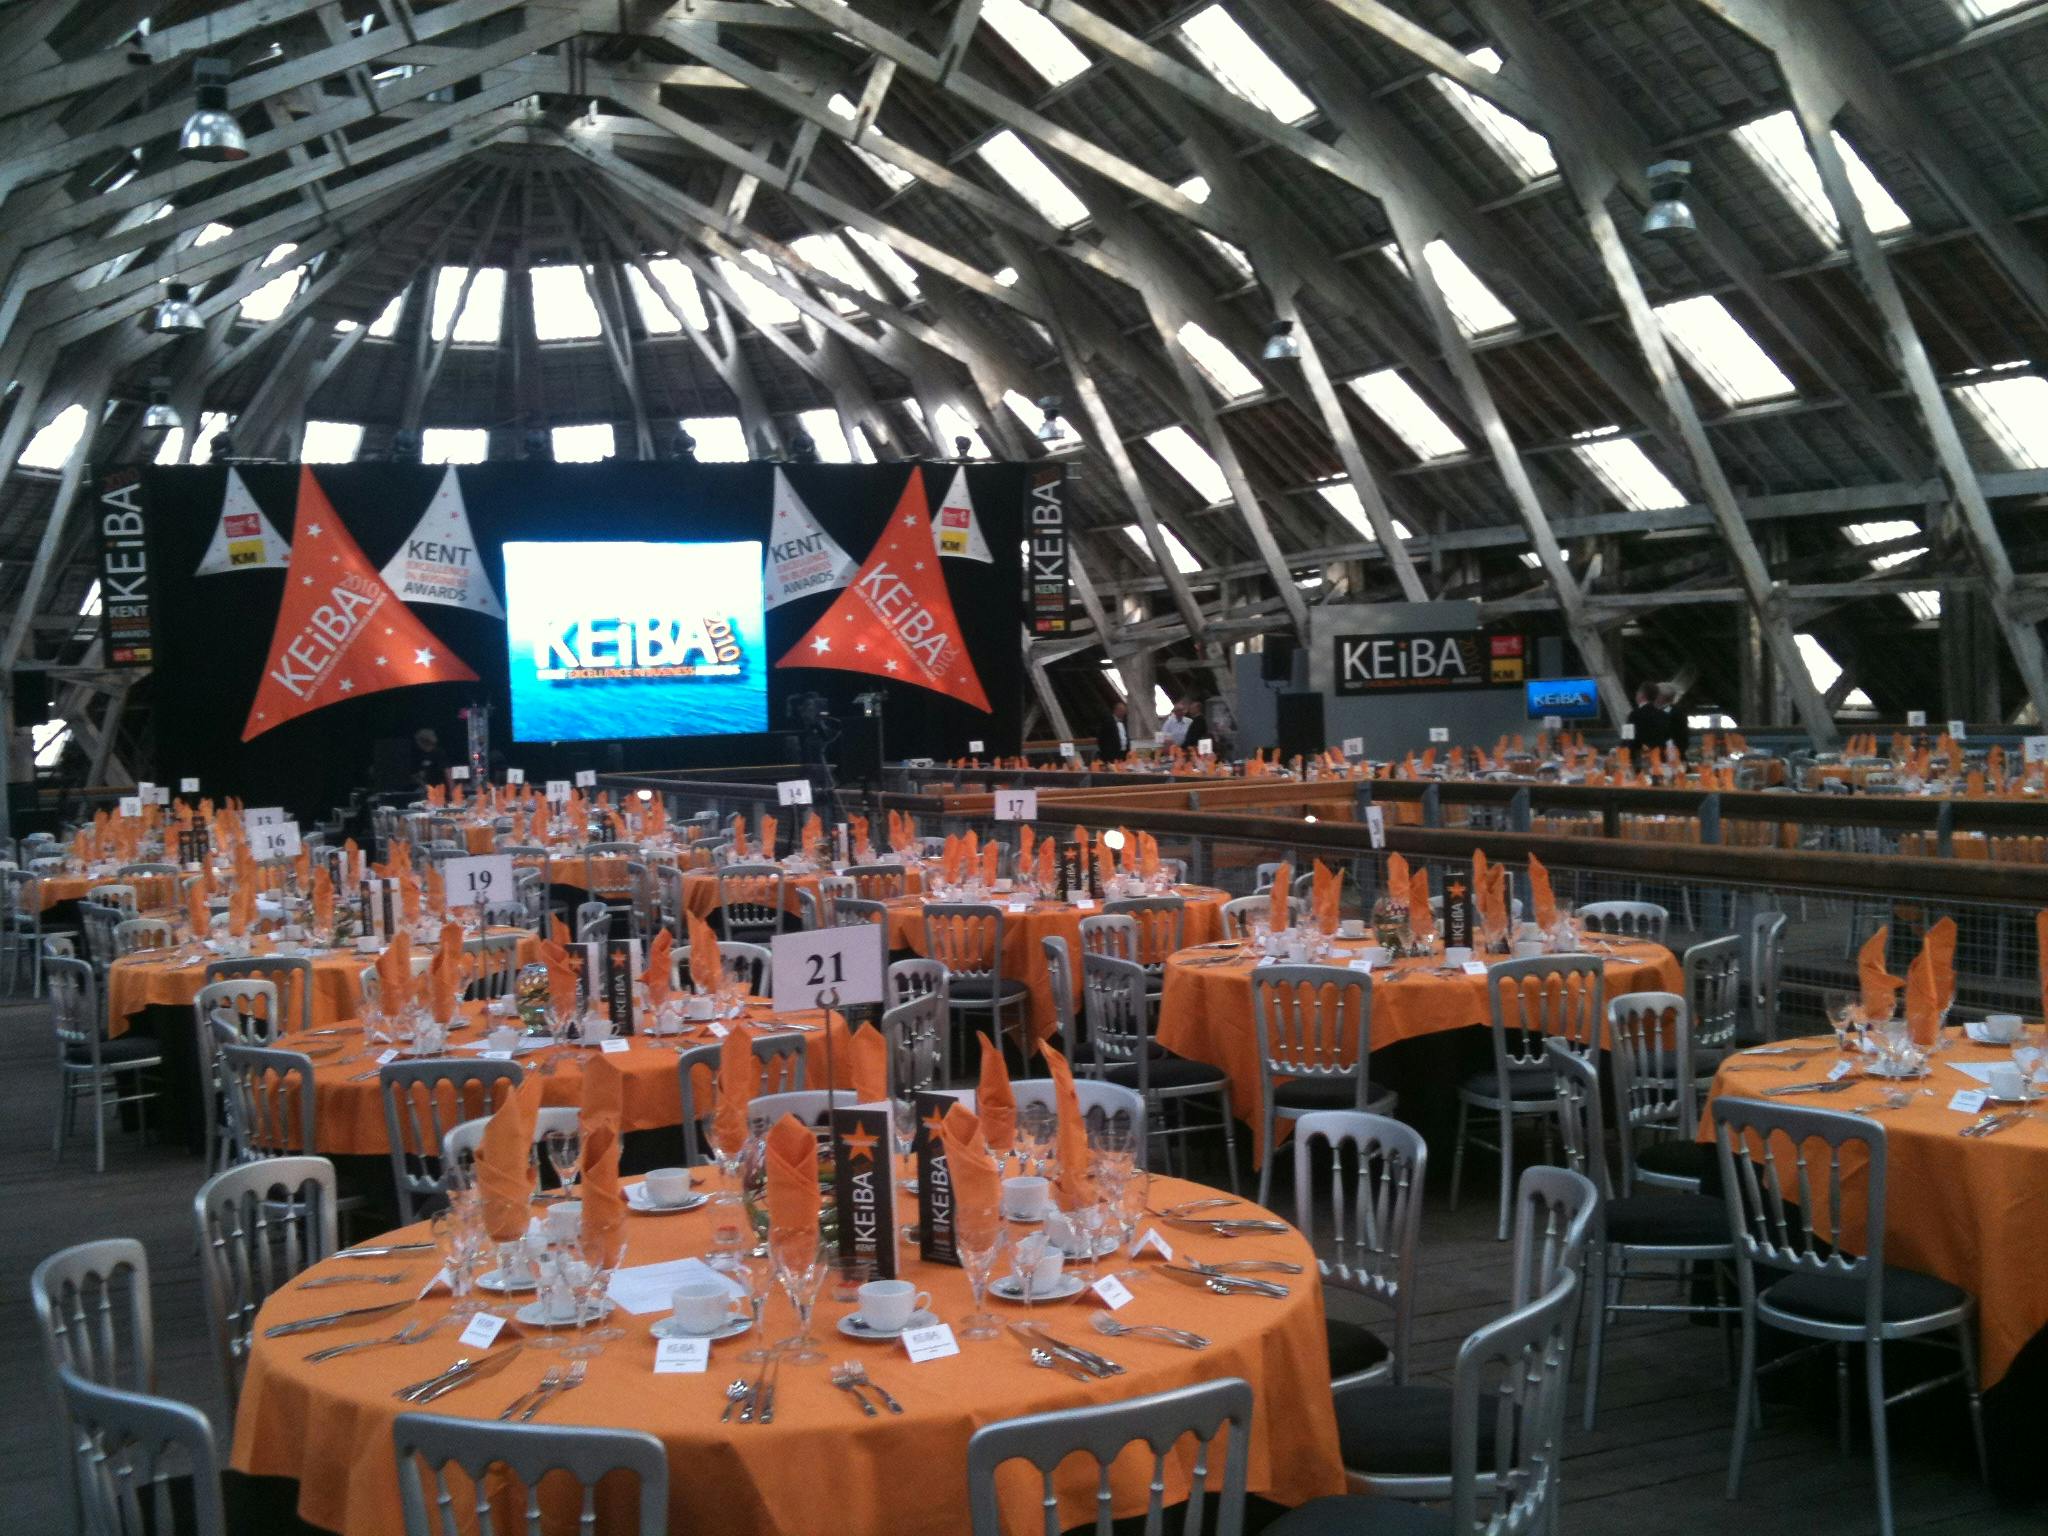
x=683 y=448
x=161 y=416
x=1052 y=430
x=803 y=448
x=177 y=315
x=1669 y=215
x=1281 y=343
x=211 y=132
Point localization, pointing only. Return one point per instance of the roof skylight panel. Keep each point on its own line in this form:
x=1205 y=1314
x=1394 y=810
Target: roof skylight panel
x=829 y=254
x=719 y=439
x=1621 y=465
x=1192 y=462
x=331 y=442
x=2014 y=413
x=455 y=445
x=1987 y=10
x=892 y=175
x=482 y=317
x=1527 y=152
x=1395 y=401
x=829 y=436
x=762 y=304
x=562 y=307
x=1343 y=499
x=1778 y=145
x=1226 y=51
x=1196 y=189
x=1046 y=48
x=275 y=296
x=953 y=424
x=1032 y=179
x=1476 y=308
x=54 y=443
x=1184 y=560
x=890 y=260
x=585 y=443
x=1726 y=355
x=671 y=277
x=1223 y=368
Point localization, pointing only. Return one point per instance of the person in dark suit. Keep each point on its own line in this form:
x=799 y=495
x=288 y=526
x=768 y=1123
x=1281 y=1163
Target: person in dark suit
x=1652 y=724
x=1676 y=731
x=1198 y=723
x=1113 y=741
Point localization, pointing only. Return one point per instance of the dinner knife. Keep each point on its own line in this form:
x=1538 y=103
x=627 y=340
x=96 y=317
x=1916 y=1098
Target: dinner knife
x=331 y=1319
x=489 y=1365
x=1837 y=1086
x=1226 y=1285
x=380 y=1252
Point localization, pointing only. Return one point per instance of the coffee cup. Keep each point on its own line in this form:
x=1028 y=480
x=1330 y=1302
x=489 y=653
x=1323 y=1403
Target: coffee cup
x=596 y=1027
x=1457 y=954
x=699 y=1006
x=700 y=1306
x=503 y=1038
x=1026 y=1196
x=667 y=1186
x=2001 y=1028
x=1352 y=928
x=1528 y=949
x=1043 y=1274
x=2006 y=1082
x=565 y=1220
x=887 y=1306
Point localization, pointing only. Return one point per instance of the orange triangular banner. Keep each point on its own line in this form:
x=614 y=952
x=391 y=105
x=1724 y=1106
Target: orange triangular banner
x=341 y=631
x=895 y=618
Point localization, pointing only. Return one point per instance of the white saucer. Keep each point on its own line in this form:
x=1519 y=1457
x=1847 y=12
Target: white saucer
x=1895 y=1072
x=534 y=1315
x=1105 y=1243
x=496 y=1280
x=735 y=1324
x=1975 y=1030
x=638 y=1198
x=1026 y=1221
x=854 y=1328
x=1009 y=1288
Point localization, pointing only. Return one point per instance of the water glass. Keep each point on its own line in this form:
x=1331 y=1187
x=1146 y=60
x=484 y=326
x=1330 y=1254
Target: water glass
x=801 y=1263
x=978 y=1254
x=563 y=1148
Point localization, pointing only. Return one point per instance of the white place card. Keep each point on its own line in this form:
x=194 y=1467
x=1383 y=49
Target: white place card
x=482 y=1331
x=1968 y=1101
x=1084 y=903
x=515 y=775
x=1475 y=967
x=441 y=1277
x=617 y=1046
x=718 y=1030
x=1362 y=963
x=1020 y=906
x=975 y=749
x=1151 y=1239
x=1114 y=1293
x=586 y=778
x=1840 y=1070
x=385 y=1058
x=188 y=786
x=933 y=1343
x=495 y=1056
x=682 y=1357
x=1376 y=825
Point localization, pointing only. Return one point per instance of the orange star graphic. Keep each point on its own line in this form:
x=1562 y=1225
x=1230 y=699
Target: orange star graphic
x=1457 y=888
x=934 y=1123
x=860 y=1146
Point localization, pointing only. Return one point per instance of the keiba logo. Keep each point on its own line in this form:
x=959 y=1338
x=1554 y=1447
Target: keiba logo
x=654 y=646
x=306 y=658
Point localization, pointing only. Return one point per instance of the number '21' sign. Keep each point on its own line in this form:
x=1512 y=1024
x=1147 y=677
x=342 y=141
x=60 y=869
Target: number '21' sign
x=845 y=961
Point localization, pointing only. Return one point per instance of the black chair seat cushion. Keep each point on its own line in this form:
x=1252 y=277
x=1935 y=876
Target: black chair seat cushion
x=1316 y=1093
x=1907 y=1294
x=1353 y=1347
x=1402 y=1431
x=1678 y=1159
x=1168 y=1071
x=979 y=989
x=1673 y=1219
x=124 y=1050
x=1523 y=1083
x=1358 y=1514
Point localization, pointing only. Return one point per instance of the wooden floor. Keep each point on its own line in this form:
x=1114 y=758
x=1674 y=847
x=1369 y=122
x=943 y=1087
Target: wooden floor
x=1656 y=1463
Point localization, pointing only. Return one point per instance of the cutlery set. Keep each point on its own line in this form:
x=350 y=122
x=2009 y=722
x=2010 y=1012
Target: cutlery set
x=1064 y=1356
x=1106 y=1323
x=331 y=1320
x=852 y=1377
x=460 y=1374
x=1992 y=1123
x=1222 y=1284
x=557 y=1381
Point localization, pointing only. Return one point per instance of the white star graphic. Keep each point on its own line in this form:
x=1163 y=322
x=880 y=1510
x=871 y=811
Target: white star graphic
x=862 y=647
x=331 y=560
x=312 y=530
x=261 y=716
x=917 y=565
x=910 y=520
x=423 y=657
x=820 y=646
x=307 y=580
x=389 y=630
x=348 y=685
x=381 y=660
x=891 y=665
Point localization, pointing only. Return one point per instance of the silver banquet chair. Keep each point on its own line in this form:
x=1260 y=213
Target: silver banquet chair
x=427 y=1445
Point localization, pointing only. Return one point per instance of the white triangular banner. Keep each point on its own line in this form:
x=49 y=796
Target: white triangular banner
x=243 y=539
x=802 y=557
x=439 y=562
x=955 y=529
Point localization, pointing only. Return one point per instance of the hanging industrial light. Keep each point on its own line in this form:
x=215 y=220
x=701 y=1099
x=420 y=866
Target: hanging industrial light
x=1669 y=215
x=683 y=448
x=177 y=315
x=963 y=449
x=1282 y=345
x=1052 y=430
x=211 y=132
x=161 y=416
x=803 y=448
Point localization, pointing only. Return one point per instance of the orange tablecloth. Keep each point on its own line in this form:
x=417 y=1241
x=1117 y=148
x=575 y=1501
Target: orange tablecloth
x=1206 y=1011
x=1971 y=1210
x=821 y=1469
x=700 y=889
x=151 y=891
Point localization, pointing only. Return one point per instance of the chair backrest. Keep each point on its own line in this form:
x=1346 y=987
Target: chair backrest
x=459 y=1142
x=1766 y=969
x=646 y=901
x=72 y=989
x=1555 y=1210
x=855 y=912
x=1239 y=911
x=243 y=1005
x=668 y=882
x=1516 y=1371
x=134 y=934
x=919 y=1045
x=1160 y=922
x=751 y=965
x=259 y=1226
x=752 y=898
x=1059 y=980
x=132 y=1451
x=782 y=1060
x=966 y=937
x=92 y=1305
x=270 y=1100
x=497 y=965
x=1776 y=1193
x=1532 y=999
x=807 y=1104
x=1649 y=1054
x=911 y=979
x=293 y=975
x=428 y=1445
x=124 y=898
x=1103 y=1432
x=1581 y=1128
x=1713 y=988
x=1314 y=1021
x=98 y=921
x=1369 y=1244
x=1105 y=1106
x=593 y=922
x=1104 y=934
x=1119 y=1019
x=422 y=1099
x=1634 y=919
x=878 y=882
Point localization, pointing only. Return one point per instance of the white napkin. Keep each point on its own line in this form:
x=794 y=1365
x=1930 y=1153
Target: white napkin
x=646 y=1288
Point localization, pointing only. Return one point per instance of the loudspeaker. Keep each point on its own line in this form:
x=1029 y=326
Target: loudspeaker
x=1276 y=661
x=31 y=698
x=1299 y=724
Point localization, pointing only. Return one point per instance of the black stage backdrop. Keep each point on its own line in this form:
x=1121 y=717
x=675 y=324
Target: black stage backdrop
x=213 y=633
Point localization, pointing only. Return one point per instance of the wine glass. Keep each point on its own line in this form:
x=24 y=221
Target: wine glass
x=604 y=1251
x=751 y=1275
x=2027 y=1056
x=558 y=1020
x=564 y=1148
x=728 y=1157
x=978 y=1252
x=1135 y=1199
x=1844 y=1012
x=1037 y=1128
x=457 y=1247
x=545 y=1264
x=801 y=1262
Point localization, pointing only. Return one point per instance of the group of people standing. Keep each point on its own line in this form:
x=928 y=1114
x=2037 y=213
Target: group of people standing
x=1184 y=727
x=1658 y=721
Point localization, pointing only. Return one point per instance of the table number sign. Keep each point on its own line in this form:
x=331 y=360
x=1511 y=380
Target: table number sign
x=2035 y=748
x=866 y=1187
x=1354 y=747
x=188 y=786
x=262 y=816
x=793 y=792
x=586 y=778
x=1628 y=732
x=478 y=880
x=1439 y=733
x=975 y=748
x=1916 y=717
x=515 y=775
x=130 y=806
x=839 y=967
x=459 y=773
x=1206 y=747
x=1016 y=805
x=934 y=1181
x=1960 y=729
x=280 y=841
x=558 y=791
x=1553 y=723
x=1067 y=749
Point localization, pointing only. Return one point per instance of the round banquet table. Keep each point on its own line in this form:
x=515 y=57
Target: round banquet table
x=822 y=1468
x=152 y=892
x=163 y=978
x=700 y=888
x=1205 y=1013
x=1970 y=1210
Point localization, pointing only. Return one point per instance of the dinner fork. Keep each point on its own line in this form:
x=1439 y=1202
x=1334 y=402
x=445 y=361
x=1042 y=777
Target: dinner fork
x=548 y=1383
x=412 y=1333
x=567 y=1384
x=861 y=1378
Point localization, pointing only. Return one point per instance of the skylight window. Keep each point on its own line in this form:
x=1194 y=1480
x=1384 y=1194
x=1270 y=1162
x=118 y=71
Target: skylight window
x=562 y=306
x=1032 y=179
x=890 y=260
x=955 y=423
x=1196 y=189
x=1778 y=145
x=1024 y=408
x=828 y=434
x=720 y=439
x=1526 y=151
x=1394 y=400
x=1191 y=461
x=763 y=305
x=52 y=447
x=1924 y=606
x=1735 y=367
x=1241 y=66
x=211 y=424
x=893 y=176
x=271 y=300
x=385 y=326
x=1044 y=46
x=2014 y=413
x=455 y=445
x=331 y=442
x=1222 y=367
x=1476 y=308
x=89 y=608
x=1985 y=10
x=584 y=444
x=1184 y=559
x=1820 y=666
x=1626 y=470
x=482 y=317
x=829 y=254
x=1343 y=498
x=211 y=233
x=1006 y=278
x=676 y=281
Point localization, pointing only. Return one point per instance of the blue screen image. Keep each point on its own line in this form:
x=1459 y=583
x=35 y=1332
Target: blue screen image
x=608 y=641
x=1569 y=698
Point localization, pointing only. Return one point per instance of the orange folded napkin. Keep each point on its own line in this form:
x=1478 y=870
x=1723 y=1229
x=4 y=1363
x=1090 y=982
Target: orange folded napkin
x=437 y=794
x=1279 y=908
x=242 y=909
x=197 y=914
x=409 y=898
x=562 y=977
x=1923 y=1008
x=1880 y=987
x=739 y=835
x=604 y=1098
x=813 y=834
x=659 y=968
x=707 y=969
x=868 y=1053
x=977 y=1185
x=1027 y=845
x=1973 y=784
x=739 y=1079
x=1327 y=894
x=442 y=986
x=792 y=1184
x=992 y=863
x=1540 y=896
x=603 y=1225
x=1397 y=877
x=1074 y=1187
x=394 y=974
x=949 y=859
x=1421 y=921
x=995 y=1100
x=1940 y=948
x=1048 y=864
x=1105 y=865
x=504 y=1163
x=1148 y=855
x=768 y=836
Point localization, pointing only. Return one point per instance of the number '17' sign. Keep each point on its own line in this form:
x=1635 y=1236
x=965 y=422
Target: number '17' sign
x=842 y=966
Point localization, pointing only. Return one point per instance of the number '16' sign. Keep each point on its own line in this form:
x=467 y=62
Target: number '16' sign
x=842 y=961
